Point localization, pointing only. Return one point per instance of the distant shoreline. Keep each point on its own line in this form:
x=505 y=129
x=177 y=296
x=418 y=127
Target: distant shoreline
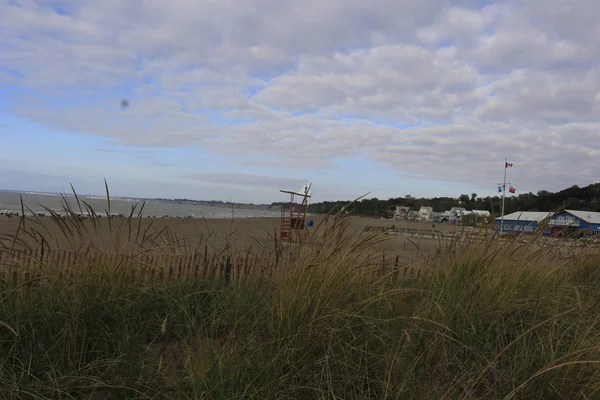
x=4 y=216
x=211 y=203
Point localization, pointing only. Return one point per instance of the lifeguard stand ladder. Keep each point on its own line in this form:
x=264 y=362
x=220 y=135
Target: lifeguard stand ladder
x=293 y=216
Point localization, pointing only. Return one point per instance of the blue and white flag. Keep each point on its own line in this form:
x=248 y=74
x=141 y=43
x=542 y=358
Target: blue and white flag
x=499 y=189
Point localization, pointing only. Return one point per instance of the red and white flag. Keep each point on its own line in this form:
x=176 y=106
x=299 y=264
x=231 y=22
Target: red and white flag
x=512 y=190
x=508 y=165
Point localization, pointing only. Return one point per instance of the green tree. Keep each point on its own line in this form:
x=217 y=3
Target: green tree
x=574 y=197
x=464 y=199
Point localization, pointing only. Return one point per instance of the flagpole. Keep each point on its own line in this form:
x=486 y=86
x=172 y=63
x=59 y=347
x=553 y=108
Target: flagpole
x=503 y=197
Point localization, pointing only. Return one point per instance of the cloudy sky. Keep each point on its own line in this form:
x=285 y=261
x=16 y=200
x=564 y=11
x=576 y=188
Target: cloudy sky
x=235 y=99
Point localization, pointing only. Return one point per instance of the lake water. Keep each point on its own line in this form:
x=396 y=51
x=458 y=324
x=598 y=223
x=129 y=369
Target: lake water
x=11 y=202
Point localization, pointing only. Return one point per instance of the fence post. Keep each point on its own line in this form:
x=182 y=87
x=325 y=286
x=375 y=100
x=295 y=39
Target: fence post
x=151 y=268
x=179 y=266
x=190 y=264
x=228 y=270
x=220 y=266
x=238 y=268
x=131 y=267
x=196 y=264
x=205 y=267
x=213 y=266
x=171 y=268
x=15 y=265
x=246 y=267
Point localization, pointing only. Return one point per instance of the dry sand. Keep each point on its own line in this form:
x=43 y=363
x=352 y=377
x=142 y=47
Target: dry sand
x=240 y=232
x=237 y=234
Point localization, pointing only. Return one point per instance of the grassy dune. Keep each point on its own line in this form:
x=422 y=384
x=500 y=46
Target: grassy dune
x=485 y=320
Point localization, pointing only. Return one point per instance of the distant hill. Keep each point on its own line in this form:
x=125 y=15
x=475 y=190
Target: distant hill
x=576 y=198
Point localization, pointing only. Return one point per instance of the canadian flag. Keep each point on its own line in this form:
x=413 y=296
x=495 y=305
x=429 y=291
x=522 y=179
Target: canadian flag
x=508 y=165
x=512 y=190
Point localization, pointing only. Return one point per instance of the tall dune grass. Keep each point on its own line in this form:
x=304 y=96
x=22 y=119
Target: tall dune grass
x=486 y=320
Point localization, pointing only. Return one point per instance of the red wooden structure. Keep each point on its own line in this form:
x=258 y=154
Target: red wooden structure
x=293 y=215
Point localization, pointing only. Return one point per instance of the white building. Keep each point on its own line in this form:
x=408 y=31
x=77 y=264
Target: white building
x=445 y=216
x=456 y=213
x=401 y=212
x=425 y=213
x=481 y=213
x=413 y=215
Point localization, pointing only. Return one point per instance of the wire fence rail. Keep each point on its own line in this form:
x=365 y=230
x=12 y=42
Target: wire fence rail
x=562 y=239
x=428 y=233
x=21 y=266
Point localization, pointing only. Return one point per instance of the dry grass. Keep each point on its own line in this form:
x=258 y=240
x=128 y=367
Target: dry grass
x=492 y=319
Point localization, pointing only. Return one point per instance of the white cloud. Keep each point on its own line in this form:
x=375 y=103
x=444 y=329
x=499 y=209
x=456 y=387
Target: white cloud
x=441 y=88
x=251 y=180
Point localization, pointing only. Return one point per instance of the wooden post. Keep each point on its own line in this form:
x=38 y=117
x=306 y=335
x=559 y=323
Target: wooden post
x=246 y=267
x=179 y=265
x=228 y=270
x=213 y=266
x=220 y=265
x=71 y=259
x=205 y=258
x=190 y=264
x=238 y=268
x=132 y=268
x=15 y=266
x=60 y=256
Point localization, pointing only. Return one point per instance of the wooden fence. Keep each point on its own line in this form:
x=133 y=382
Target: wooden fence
x=23 y=265
x=428 y=233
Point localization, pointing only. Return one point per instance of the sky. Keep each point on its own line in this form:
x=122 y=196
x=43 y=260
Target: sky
x=236 y=99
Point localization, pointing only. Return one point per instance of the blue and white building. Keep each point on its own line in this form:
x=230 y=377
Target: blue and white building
x=562 y=223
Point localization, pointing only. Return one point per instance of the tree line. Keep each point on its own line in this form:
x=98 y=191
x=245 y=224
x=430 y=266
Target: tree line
x=575 y=198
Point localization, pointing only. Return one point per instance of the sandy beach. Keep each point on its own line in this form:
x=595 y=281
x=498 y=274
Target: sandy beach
x=239 y=233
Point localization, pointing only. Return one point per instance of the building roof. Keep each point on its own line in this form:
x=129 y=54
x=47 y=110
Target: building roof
x=537 y=216
x=587 y=216
x=427 y=208
x=528 y=216
x=481 y=212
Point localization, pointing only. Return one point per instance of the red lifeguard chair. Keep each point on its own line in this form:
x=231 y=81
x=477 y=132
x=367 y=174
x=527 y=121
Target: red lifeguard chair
x=293 y=215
